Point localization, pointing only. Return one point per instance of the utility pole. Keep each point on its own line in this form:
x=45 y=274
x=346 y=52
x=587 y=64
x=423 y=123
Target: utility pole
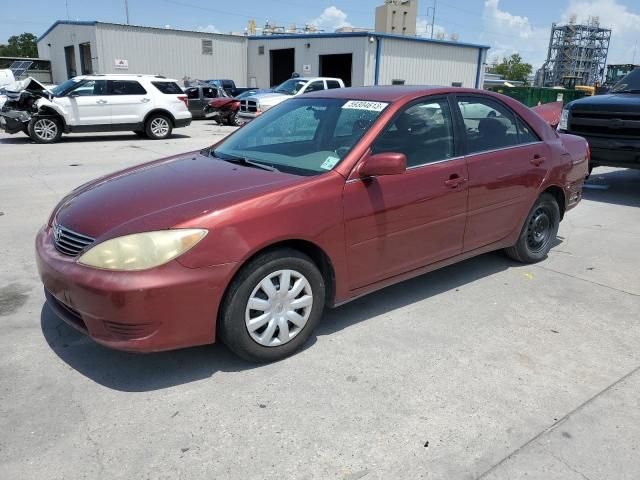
x=66 y=4
x=433 y=16
x=126 y=8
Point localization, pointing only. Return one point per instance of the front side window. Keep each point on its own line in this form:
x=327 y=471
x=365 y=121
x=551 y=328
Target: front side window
x=488 y=124
x=125 y=87
x=291 y=86
x=423 y=132
x=303 y=136
x=90 y=88
x=315 y=86
x=209 y=92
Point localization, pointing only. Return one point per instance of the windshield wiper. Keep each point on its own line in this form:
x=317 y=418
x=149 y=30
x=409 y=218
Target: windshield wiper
x=244 y=161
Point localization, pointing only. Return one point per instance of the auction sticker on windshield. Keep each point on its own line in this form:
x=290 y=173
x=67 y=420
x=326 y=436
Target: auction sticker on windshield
x=364 y=105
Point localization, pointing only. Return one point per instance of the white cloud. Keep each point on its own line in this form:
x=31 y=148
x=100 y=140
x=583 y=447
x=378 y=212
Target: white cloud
x=508 y=33
x=624 y=23
x=330 y=19
x=208 y=29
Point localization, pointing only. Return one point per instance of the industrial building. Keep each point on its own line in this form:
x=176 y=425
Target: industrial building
x=359 y=58
x=577 y=54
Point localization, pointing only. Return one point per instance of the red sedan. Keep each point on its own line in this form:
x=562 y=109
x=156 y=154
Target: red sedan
x=320 y=200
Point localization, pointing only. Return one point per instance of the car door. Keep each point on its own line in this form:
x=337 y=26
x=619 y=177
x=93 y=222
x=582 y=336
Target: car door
x=87 y=104
x=396 y=223
x=129 y=102
x=506 y=163
x=196 y=102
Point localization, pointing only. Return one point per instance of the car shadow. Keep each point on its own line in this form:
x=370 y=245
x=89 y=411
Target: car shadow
x=620 y=187
x=133 y=372
x=20 y=139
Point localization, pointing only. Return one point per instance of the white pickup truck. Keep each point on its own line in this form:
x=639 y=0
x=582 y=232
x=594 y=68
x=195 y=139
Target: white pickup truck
x=254 y=105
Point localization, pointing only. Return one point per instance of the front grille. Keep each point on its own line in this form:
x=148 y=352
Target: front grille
x=250 y=106
x=605 y=123
x=128 y=331
x=69 y=242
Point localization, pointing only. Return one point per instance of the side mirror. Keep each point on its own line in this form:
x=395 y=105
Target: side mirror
x=73 y=95
x=387 y=163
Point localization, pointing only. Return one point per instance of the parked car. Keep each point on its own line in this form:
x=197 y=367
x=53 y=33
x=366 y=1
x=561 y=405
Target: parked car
x=254 y=105
x=200 y=95
x=224 y=109
x=322 y=199
x=229 y=86
x=151 y=106
x=610 y=123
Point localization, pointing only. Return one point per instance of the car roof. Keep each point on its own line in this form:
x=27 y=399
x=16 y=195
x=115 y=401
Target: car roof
x=388 y=93
x=126 y=76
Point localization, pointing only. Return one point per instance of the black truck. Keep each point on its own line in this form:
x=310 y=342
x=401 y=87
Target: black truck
x=610 y=123
x=228 y=85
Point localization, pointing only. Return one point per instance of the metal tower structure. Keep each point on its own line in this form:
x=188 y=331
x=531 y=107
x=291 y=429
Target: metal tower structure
x=577 y=53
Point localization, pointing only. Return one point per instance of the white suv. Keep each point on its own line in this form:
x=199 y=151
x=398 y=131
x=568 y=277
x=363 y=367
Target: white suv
x=149 y=105
x=254 y=105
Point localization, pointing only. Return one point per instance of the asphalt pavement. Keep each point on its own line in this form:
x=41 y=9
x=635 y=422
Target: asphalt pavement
x=485 y=369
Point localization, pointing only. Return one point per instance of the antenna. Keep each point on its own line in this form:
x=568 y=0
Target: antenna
x=126 y=8
x=433 y=16
x=66 y=4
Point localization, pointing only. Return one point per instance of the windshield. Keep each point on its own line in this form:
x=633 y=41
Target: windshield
x=291 y=86
x=629 y=84
x=303 y=136
x=64 y=87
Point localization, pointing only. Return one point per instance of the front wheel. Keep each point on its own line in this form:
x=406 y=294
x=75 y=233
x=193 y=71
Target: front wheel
x=273 y=305
x=158 y=127
x=232 y=120
x=45 y=129
x=538 y=232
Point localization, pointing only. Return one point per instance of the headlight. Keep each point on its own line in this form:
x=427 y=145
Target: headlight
x=141 y=250
x=564 y=120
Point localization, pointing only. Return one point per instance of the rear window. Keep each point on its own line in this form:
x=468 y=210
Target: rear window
x=168 y=88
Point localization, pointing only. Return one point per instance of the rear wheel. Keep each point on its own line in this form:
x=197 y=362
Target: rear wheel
x=538 y=232
x=158 y=127
x=232 y=120
x=273 y=305
x=45 y=129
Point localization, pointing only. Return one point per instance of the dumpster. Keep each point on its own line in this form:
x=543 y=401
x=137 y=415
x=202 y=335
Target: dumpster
x=532 y=96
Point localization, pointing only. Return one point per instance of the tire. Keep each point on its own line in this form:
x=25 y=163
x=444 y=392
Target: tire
x=158 y=127
x=268 y=341
x=140 y=133
x=538 y=232
x=232 y=120
x=45 y=129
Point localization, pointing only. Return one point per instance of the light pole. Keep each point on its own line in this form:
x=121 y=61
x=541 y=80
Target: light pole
x=126 y=8
x=433 y=16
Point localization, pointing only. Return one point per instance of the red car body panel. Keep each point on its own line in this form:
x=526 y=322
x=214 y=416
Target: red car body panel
x=372 y=232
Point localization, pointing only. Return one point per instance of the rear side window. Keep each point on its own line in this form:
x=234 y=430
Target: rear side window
x=488 y=124
x=168 y=88
x=333 y=84
x=315 y=86
x=192 y=93
x=125 y=87
x=525 y=133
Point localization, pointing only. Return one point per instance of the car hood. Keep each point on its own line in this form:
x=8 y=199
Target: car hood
x=163 y=194
x=269 y=98
x=618 y=102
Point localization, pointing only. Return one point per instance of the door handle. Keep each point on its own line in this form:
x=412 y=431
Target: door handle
x=537 y=160
x=145 y=100
x=101 y=102
x=454 y=181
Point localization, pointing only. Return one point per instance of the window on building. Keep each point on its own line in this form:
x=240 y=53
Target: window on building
x=207 y=47
x=261 y=50
x=397 y=81
x=456 y=84
x=423 y=132
x=125 y=87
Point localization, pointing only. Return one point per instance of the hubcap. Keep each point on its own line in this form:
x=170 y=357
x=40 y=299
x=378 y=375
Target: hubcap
x=539 y=230
x=278 y=308
x=159 y=127
x=46 y=129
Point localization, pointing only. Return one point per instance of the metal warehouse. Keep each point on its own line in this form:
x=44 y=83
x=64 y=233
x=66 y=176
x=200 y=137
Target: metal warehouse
x=359 y=58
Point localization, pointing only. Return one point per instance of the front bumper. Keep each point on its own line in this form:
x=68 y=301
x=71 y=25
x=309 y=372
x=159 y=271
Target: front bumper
x=163 y=308
x=14 y=121
x=614 y=152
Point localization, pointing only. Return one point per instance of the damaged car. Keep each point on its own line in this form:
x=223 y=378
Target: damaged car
x=149 y=105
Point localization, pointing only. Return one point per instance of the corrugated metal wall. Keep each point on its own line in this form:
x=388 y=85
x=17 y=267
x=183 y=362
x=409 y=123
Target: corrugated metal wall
x=52 y=46
x=259 y=67
x=174 y=54
x=426 y=63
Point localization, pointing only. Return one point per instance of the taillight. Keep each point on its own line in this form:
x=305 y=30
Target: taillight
x=184 y=99
x=588 y=153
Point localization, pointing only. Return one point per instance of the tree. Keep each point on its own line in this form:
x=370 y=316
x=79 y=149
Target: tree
x=512 y=68
x=24 y=45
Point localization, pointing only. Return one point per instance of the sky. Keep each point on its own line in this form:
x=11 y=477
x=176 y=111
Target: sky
x=508 y=26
